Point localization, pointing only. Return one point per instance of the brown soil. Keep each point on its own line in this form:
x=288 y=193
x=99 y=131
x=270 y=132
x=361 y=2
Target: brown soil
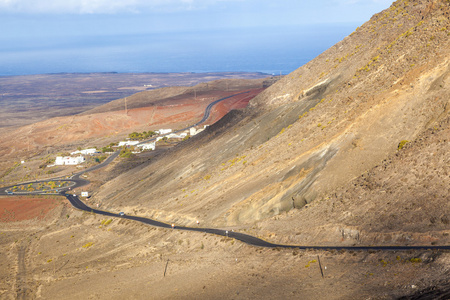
x=18 y=208
x=238 y=102
x=32 y=98
x=60 y=131
x=313 y=160
x=127 y=259
x=65 y=134
x=311 y=133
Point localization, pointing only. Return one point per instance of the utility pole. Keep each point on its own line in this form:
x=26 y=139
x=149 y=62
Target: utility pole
x=320 y=265
x=165 y=270
x=126 y=109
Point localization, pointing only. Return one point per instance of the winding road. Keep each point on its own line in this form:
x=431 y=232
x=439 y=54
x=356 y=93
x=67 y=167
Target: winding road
x=245 y=238
x=206 y=115
x=79 y=182
x=248 y=239
x=75 y=179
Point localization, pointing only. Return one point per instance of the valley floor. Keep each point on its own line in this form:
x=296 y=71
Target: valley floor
x=78 y=255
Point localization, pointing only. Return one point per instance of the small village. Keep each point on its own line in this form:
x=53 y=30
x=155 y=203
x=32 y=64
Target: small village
x=133 y=143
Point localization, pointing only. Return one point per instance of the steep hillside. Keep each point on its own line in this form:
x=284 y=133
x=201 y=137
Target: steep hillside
x=403 y=200
x=313 y=132
x=350 y=149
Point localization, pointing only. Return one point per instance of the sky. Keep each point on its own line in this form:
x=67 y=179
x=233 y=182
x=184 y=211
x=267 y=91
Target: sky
x=39 y=24
x=124 y=16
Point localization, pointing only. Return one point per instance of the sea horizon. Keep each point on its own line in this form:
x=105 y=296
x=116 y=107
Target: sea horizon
x=264 y=50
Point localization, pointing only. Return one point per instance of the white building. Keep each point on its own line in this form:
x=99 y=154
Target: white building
x=193 y=131
x=69 y=161
x=177 y=136
x=163 y=131
x=90 y=151
x=148 y=146
x=128 y=143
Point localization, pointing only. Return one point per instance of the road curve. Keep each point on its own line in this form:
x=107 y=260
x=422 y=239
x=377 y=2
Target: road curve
x=210 y=106
x=206 y=115
x=79 y=182
x=107 y=161
x=245 y=238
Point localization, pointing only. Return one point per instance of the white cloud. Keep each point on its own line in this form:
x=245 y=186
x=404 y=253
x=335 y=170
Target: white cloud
x=378 y=2
x=102 y=6
x=64 y=6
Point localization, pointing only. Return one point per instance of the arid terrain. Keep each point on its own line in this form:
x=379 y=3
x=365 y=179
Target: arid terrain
x=349 y=149
x=32 y=98
x=172 y=107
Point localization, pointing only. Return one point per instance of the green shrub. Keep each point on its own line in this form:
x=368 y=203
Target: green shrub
x=141 y=135
x=88 y=245
x=107 y=149
x=310 y=262
x=402 y=144
x=126 y=153
x=100 y=159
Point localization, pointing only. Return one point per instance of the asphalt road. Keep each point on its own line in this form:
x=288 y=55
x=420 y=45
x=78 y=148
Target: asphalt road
x=206 y=115
x=75 y=183
x=75 y=178
x=210 y=106
x=245 y=238
x=248 y=239
x=79 y=182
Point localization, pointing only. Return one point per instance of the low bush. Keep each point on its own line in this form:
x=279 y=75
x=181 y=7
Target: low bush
x=402 y=144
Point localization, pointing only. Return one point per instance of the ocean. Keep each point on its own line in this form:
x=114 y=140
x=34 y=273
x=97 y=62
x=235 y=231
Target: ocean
x=267 y=50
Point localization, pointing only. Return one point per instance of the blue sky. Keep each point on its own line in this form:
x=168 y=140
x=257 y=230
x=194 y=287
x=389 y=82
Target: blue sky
x=36 y=25
x=124 y=16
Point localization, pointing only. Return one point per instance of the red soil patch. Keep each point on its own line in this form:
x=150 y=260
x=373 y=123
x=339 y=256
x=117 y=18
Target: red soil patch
x=177 y=113
x=237 y=102
x=189 y=110
x=13 y=209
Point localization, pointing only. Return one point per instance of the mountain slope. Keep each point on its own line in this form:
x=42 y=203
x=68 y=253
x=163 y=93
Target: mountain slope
x=333 y=134
x=403 y=200
x=312 y=132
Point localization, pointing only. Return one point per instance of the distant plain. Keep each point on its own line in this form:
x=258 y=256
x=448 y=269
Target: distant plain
x=32 y=98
